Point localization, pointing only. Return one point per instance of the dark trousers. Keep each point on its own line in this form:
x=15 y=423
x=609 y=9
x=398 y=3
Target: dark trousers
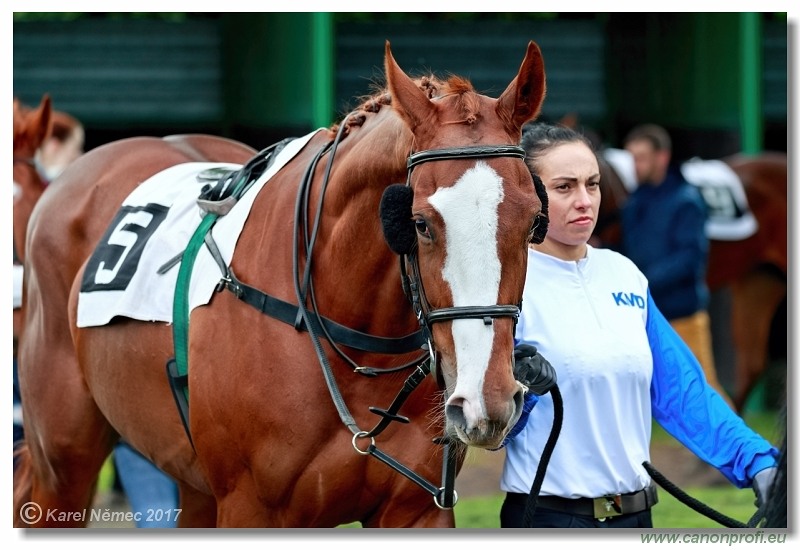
x=512 y=514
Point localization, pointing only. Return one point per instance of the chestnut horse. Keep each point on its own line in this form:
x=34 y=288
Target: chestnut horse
x=277 y=419
x=31 y=128
x=34 y=131
x=754 y=269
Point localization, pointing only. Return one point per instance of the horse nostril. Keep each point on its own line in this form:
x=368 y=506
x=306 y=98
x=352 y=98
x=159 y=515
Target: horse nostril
x=455 y=412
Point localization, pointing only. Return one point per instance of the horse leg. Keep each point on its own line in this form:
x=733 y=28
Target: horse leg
x=68 y=439
x=241 y=507
x=196 y=509
x=755 y=299
x=66 y=446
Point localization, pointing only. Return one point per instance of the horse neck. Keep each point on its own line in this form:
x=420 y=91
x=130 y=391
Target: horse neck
x=361 y=276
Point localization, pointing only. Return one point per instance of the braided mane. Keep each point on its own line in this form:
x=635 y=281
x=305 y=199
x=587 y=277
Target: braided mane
x=468 y=103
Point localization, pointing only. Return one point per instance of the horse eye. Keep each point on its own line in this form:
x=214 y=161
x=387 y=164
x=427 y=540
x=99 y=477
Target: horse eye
x=422 y=228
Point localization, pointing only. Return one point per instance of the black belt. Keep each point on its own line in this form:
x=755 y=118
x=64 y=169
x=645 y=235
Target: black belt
x=599 y=508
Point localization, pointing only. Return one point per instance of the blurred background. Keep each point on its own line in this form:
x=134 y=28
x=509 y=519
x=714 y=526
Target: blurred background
x=717 y=81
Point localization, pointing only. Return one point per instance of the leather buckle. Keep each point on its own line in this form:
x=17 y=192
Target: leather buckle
x=607 y=506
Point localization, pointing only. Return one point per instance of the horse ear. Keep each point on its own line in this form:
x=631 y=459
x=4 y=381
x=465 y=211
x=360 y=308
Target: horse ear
x=395 y=212
x=42 y=124
x=523 y=98
x=408 y=100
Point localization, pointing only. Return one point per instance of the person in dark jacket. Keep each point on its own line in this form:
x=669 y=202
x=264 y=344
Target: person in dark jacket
x=663 y=227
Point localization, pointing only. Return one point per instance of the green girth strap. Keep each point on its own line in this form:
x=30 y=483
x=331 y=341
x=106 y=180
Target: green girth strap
x=178 y=368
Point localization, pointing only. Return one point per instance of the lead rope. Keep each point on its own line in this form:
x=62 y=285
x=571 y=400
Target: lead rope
x=658 y=477
x=698 y=506
x=555 y=431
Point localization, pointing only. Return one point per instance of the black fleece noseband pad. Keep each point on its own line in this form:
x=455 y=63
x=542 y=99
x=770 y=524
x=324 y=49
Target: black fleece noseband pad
x=540 y=230
x=395 y=212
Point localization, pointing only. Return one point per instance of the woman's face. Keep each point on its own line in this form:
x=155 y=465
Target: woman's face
x=572 y=178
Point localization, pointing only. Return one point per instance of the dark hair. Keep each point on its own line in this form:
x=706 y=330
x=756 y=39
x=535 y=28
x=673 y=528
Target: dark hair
x=657 y=136
x=540 y=137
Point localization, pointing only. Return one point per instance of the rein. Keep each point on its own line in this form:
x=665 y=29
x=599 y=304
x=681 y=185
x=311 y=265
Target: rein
x=303 y=317
x=444 y=496
x=698 y=506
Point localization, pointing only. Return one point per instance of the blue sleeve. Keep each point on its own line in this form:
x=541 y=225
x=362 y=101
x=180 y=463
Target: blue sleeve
x=695 y=414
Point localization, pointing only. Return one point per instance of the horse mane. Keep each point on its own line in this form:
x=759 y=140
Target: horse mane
x=468 y=103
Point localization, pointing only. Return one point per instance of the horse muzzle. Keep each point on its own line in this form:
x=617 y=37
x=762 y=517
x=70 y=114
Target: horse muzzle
x=474 y=423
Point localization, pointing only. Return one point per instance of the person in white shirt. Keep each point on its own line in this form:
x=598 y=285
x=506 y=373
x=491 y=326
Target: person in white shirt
x=619 y=365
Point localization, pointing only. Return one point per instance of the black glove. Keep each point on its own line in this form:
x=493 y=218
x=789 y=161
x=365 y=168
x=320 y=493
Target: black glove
x=533 y=370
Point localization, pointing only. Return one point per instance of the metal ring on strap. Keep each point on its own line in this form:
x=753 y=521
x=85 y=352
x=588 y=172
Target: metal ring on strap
x=363 y=434
x=441 y=496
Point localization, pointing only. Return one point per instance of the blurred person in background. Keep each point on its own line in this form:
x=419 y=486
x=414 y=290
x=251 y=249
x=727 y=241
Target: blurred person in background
x=663 y=233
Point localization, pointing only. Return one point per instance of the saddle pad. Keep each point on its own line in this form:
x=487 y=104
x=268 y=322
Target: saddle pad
x=729 y=215
x=153 y=225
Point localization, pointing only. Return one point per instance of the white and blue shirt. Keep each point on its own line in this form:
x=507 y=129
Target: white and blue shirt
x=619 y=364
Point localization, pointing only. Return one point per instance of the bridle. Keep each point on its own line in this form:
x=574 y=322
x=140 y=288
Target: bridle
x=412 y=283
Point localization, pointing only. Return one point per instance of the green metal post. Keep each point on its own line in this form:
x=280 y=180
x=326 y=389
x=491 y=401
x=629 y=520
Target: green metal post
x=322 y=68
x=752 y=123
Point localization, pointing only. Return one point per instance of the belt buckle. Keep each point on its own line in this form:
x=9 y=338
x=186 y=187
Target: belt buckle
x=607 y=506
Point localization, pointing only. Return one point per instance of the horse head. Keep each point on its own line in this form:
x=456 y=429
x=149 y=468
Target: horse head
x=31 y=129
x=463 y=221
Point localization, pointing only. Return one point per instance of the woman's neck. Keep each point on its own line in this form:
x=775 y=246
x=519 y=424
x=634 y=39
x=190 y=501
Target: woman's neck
x=569 y=253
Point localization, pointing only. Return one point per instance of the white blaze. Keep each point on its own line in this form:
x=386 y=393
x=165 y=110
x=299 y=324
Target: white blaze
x=472 y=269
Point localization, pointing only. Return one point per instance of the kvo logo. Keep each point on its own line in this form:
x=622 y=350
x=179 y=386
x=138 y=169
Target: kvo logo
x=628 y=299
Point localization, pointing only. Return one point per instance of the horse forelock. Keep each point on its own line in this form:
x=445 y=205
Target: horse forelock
x=461 y=93
x=468 y=102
